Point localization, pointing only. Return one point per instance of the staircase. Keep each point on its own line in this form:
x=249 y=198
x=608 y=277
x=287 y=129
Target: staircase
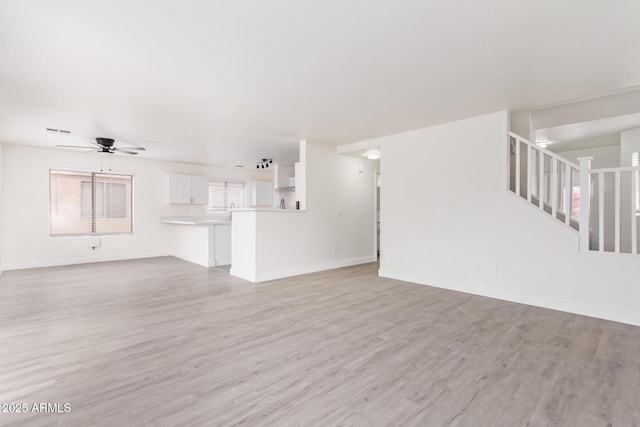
x=599 y=204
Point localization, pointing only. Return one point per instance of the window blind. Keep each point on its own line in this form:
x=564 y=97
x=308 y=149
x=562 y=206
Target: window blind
x=223 y=195
x=85 y=203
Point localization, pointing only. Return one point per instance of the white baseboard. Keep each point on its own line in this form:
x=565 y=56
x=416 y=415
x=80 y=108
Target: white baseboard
x=568 y=306
x=245 y=275
x=305 y=269
x=84 y=260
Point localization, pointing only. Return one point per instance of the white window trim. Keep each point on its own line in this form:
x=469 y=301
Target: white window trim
x=91 y=171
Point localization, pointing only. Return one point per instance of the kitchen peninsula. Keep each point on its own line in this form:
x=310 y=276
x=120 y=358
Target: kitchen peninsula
x=259 y=231
x=200 y=239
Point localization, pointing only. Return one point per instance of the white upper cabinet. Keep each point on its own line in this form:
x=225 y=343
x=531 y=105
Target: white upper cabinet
x=189 y=190
x=180 y=192
x=200 y=190
x=282 y=175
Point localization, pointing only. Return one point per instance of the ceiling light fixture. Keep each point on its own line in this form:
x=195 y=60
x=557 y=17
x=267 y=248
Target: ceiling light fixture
x=543 y=144
x=372 y=154
x=264 y=163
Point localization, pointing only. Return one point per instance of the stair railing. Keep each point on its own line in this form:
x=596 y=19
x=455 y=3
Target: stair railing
x=576 y=195
x=623 y=197
x=544 y=179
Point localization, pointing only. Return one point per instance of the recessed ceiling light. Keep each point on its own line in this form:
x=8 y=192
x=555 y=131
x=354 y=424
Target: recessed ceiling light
x=372 y=154
x=238 y=166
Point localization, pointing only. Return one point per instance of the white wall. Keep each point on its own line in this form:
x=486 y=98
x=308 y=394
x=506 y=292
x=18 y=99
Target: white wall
x=603 y=157
x=629 y=144
x=1 y=203
x=25 y=206
x=463 y=230
x=340 y=213
x=520 y=123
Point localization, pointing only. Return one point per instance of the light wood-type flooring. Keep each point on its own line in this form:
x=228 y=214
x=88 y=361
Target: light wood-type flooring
x=165 y=342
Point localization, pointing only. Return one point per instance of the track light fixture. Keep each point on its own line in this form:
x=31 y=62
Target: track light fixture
x=264 y=163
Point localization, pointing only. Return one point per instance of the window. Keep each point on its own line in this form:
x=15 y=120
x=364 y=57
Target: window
x=223 y=195
x=110 y=199
x=90 y=203
x=635 y=161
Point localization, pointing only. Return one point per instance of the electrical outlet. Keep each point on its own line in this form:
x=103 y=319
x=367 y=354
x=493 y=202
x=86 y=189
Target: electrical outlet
x=334 y=250
x=339 y=213
x=94 y=243
x=475 y=268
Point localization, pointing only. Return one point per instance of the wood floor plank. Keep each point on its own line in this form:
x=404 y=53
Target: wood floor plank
x=167 y=343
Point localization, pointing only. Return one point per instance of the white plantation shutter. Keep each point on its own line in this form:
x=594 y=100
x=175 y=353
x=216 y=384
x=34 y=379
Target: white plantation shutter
x=223 y=194
x=85 y=203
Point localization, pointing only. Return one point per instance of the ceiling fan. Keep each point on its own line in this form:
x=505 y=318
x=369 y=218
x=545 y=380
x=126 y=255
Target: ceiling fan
x=105 y=145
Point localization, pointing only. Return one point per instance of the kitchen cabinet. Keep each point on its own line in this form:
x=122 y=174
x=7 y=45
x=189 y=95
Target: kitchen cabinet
x=222 y=244
x=282 y=175
x=189 y=190
x=201 y=240
x=262 y=193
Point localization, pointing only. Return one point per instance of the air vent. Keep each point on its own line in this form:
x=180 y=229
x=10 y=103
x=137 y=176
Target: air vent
x=62 y=131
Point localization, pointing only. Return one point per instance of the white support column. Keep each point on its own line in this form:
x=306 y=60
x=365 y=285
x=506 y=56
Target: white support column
x=517 y=167
x=541 y=180
x=529 y=172
x=634 y=218
x=567 y=195
x=601 y=211
x=585 y=201
x=617 y=212
x=554 y=186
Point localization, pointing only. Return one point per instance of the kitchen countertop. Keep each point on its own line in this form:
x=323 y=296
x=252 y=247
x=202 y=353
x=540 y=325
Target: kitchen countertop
x=266 y=210
x=194 y=220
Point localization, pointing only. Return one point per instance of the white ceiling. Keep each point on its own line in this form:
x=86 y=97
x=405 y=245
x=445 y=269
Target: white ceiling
x=228 y=82
x=589 y=134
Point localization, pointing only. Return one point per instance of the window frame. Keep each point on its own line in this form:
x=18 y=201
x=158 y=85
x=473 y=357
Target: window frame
x=213 y=210
x=92 y=174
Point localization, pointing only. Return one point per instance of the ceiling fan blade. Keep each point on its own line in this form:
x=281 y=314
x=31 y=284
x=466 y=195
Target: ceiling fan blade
x=73 y=146
x=136 y=148
x=124 y=151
